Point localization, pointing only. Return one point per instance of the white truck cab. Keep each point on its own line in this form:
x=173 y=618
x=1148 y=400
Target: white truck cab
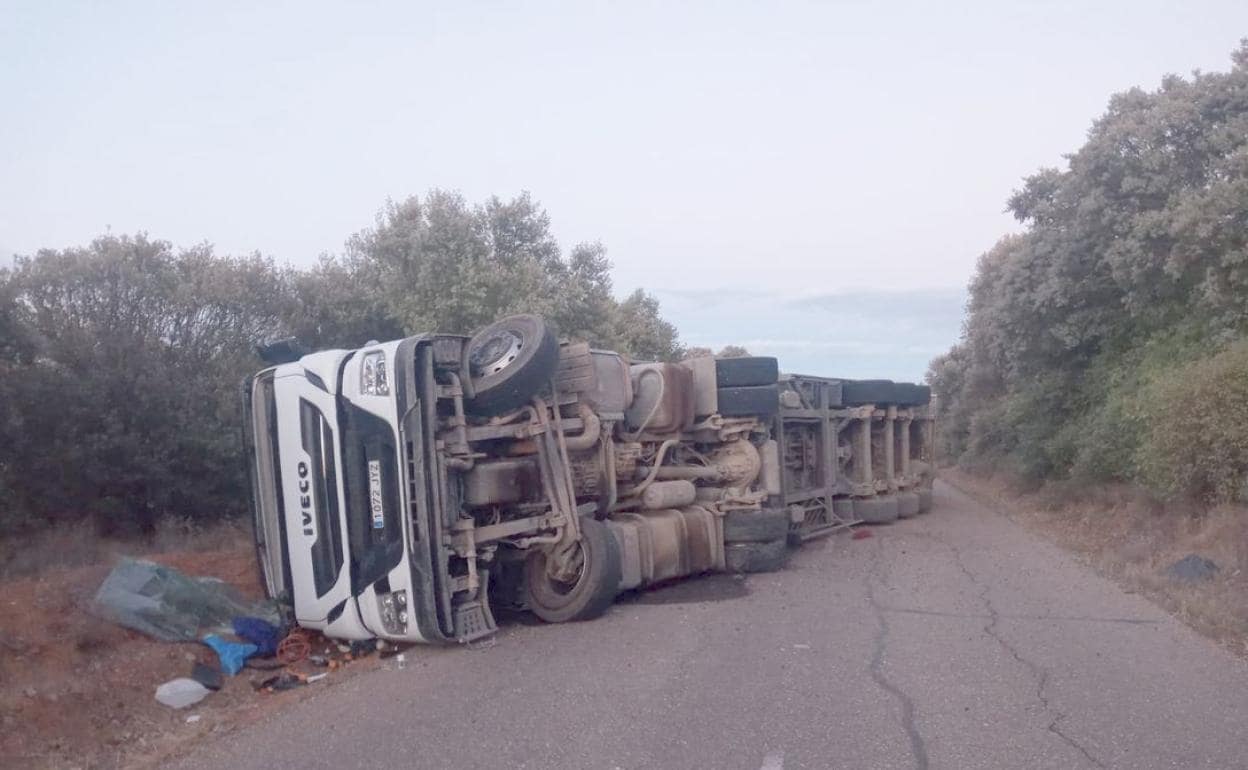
x=336 y=448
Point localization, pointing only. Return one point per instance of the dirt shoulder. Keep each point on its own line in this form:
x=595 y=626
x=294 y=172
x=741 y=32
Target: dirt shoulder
x=76 y=691
x=1134 y=541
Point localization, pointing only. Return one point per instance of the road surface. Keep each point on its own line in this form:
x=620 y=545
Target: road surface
x=954 y=640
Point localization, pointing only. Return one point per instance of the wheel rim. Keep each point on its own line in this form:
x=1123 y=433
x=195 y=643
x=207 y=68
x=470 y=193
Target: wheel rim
x=496 y=353
x=553 y=593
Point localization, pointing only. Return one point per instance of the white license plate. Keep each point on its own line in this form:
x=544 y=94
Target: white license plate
x=374 y=494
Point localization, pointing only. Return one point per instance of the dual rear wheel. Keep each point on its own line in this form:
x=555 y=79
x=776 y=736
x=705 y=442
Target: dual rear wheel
x=590 y=586
x=756 y=541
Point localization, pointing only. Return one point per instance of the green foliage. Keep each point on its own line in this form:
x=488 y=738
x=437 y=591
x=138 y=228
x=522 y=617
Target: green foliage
x=441 y=263
x=1196 y=435
x=120 y=362
x=727 y=351
x=126 y=408
x=1134 y=261
x=642 y=332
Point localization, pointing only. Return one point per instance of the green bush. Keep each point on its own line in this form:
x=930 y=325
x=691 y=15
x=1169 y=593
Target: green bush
x=1088 y=349
x=1195 y=437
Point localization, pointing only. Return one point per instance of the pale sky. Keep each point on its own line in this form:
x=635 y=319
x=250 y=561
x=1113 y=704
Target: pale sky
x=814 y=180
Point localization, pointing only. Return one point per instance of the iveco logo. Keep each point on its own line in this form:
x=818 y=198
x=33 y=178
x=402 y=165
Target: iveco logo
x=305 y=501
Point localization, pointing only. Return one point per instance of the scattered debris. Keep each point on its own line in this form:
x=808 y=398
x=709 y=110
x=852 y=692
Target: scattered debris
x=231 y=654
x=192 y=719
x=861 y=533
x=1192 y=569
x=180 y=693
x=163 y=603
x=295 y=647
x=207 y=676
x=283 y=681
x=259 y=632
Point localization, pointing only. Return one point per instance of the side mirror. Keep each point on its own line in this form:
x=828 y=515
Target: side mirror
x=281 y=351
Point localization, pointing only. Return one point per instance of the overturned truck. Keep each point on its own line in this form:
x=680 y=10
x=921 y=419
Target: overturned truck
x=406 y=489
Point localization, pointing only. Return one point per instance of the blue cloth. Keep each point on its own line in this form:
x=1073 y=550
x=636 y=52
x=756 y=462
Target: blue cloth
x=261 y=633
x=231 y=654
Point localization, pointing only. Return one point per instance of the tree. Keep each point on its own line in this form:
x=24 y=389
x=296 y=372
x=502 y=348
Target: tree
x=1133 y=264
x=339 y=304
x=144 y=349
x=441 y=263
x=643 y=333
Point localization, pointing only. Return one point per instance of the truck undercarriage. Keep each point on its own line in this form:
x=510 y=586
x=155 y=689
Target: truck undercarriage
x=404 y=489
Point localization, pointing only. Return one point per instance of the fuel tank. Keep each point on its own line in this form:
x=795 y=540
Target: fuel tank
x=663 y=399
x=665 y=544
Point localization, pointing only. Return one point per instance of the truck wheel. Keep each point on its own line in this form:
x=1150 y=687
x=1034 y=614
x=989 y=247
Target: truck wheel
x=907 y=504
x=756 y=557
x=875 y=510
x=749 y=401
x=861 y=392
x=755 y=526
x=597 y=580
x=925 y=500
x=510 y=361
x=749 y=370
x=914 y=395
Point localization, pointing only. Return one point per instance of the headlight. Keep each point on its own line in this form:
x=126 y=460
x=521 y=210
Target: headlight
x=373 y=379
x=394 y=612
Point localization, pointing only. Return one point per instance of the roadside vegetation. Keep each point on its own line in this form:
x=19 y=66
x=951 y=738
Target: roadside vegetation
x=1107 y=343
x=121 y=360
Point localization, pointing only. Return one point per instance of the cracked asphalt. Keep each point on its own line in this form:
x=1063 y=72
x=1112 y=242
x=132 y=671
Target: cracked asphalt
x=953 y=640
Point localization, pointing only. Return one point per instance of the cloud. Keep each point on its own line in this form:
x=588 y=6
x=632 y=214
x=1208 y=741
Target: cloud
x=861 y=334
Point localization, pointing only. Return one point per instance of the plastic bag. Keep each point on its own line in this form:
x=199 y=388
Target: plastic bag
x=231 y=654
x=261 y=633
x=180 y=693
x=162 y=602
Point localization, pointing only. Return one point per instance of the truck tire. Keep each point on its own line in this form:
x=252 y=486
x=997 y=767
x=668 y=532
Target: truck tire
x=910 y=394
x=510 y=361
x=925 y=500
x=907 y=505
x=596 y=585
x=749 y=370
x=875 y=510
x=749 y=401
x=863 y=392
x=755 y=557
x=755 y=526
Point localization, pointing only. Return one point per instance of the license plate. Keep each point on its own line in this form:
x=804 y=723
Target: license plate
x=374 y=494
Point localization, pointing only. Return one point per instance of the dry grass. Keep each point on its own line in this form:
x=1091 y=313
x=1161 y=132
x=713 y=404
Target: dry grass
x=1132 y=538
x=70 y=547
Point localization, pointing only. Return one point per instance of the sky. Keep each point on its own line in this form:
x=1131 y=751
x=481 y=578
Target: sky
x=812 y=180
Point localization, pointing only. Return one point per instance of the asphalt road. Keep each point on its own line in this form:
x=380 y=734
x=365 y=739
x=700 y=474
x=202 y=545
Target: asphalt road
x=954 y=640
